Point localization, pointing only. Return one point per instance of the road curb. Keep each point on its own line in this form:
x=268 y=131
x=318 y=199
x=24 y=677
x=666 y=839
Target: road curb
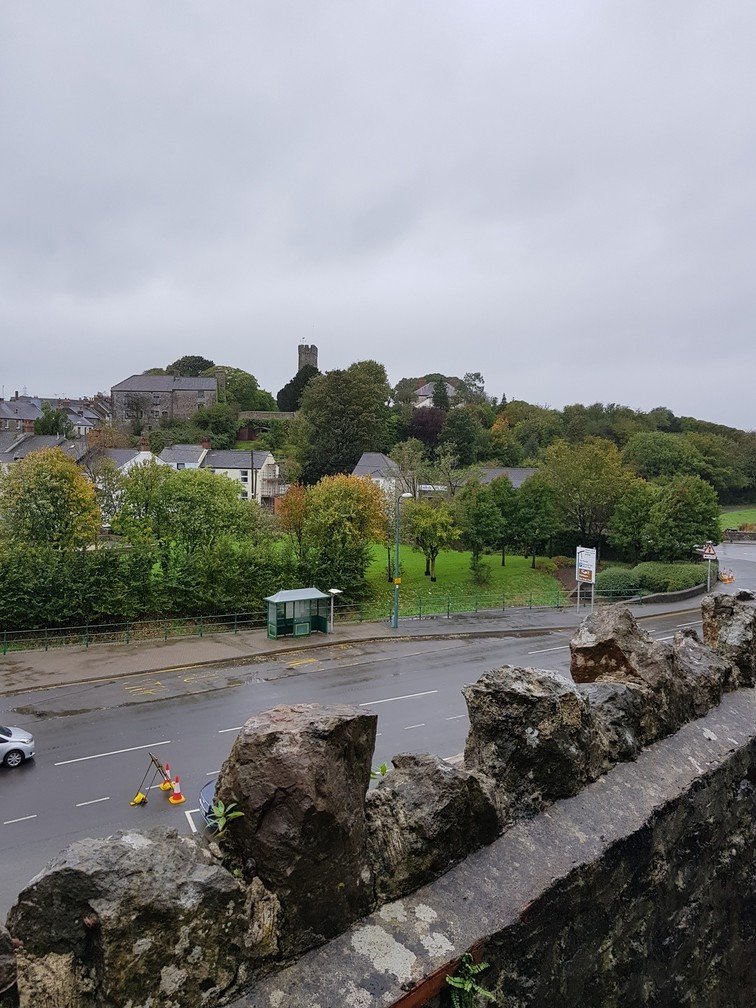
x=313 y=646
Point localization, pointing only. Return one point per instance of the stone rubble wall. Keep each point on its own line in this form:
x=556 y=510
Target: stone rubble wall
x=315 y=852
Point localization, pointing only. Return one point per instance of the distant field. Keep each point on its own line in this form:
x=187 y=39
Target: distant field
x=514 y=584
x=743 y=515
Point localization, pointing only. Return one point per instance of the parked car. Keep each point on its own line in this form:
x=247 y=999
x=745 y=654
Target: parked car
x=206 y=799
x=16 y=745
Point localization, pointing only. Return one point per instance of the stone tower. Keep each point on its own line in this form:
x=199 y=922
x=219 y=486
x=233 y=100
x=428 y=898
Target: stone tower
x=308 y=354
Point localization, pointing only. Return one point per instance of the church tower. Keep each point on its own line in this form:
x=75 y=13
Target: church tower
x=308 y=354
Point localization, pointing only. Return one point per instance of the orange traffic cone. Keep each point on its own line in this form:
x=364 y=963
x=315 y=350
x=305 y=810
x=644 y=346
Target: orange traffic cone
x=176 y=798
x=166 y=784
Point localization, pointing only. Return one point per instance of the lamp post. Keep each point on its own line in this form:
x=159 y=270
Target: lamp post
x=333 y=592
x=397 y=579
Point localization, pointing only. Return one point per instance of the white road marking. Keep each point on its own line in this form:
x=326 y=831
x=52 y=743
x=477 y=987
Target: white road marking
x=9 y=822
x=115 y=752
x=407 y=727
x=407 y=696
x=212 y=773
x=455 y=717
x=94 y=801
x=189 y=813
x=692 y=623
x=666 y=638
x=222 y=731
x=562 y=647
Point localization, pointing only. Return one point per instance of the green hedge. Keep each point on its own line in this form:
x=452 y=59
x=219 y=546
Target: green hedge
x=615 y=581
x=661 y=577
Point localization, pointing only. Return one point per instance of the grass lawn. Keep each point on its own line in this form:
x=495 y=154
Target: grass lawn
x=741 y=514
x=514 y=584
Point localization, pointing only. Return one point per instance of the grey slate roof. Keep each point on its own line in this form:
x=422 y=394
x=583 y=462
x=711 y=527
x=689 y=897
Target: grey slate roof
x=121 y=455
x=217 y=459
x=429 y=388
x=38 y=442
x=516 y=476
x=165 y=383
x=297 y=595
x=376 y=464
x=19 y=409
x=186 y=454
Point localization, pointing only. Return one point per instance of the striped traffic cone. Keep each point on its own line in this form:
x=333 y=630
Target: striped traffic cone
x=177 y=798
x=166 y=784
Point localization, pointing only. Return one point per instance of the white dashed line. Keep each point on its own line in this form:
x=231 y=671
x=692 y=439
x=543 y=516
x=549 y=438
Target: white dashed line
x=212 y=773
x=407 y=696
x=9 y=822
x=407 y=727
x=222 y=731
x=115 y=752
x=455 y=717
x=94 y=801
x=562 y=647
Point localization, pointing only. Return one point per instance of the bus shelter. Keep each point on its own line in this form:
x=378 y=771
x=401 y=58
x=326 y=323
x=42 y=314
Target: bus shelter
x=298 y=612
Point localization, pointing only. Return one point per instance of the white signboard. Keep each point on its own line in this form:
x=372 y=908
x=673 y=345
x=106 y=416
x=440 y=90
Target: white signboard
x=585 y=565
x=708 y=552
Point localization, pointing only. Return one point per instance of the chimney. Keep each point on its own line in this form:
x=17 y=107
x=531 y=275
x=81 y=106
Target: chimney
x=205 y=442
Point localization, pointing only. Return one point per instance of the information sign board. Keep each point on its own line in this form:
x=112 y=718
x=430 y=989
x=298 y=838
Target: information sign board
x=585 y=565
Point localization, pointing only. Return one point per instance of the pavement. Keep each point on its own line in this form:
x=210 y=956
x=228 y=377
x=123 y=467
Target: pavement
x=35 y=670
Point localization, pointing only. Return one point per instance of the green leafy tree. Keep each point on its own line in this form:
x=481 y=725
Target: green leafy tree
x=412 y=465
x=685 y=513
x=536 y=519
x=219 y=423
x=47 y=501
x=141 y=515
x=440 y=394
x=200 y=507
x=431 y=527
x=108 y=481
x=656 y=454
x=346 y=414
x=289 y=398
x=588 y=481
x=629 y=526
x=460 y=434
x=241 y=388
x=504 y=496
x=53 y=421
x=479 y=520
x=190 y=366
x=472 y=388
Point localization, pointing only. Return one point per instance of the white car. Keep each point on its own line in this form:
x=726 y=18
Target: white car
x=16 y=745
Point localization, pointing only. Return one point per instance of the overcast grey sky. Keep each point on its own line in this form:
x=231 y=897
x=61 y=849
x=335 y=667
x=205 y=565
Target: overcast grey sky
x=560 y=195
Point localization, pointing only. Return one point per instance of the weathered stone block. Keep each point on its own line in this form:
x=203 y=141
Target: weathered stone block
x=149 y=921
x=618 y=711
x=424 y=816
x=729 y=626
x=300 y=775
x=531 y=732
x=8 y=993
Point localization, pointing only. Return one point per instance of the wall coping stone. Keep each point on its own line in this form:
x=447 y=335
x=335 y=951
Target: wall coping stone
x=382 y=958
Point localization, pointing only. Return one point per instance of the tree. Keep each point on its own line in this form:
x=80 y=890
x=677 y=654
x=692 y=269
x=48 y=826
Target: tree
x=344 y=515
x=629 y=526
x=588 y=480
x=412 y=465
x=684 y=514
x=108 y=481
x=53 y=421
x=190 y=366
x=536 y=517
x=289 y=398
x=656 y=454
x=46 y=500
x=472 y=388
x=200 y=507
x=479 y=521
x=292 y=514
x=346 y=414
x=460 y=434
x=504 y=497
x=242 y=389
x=141 y=515
x=219 y=423
x=440 y=394
x=426 y=425
x=431 y=527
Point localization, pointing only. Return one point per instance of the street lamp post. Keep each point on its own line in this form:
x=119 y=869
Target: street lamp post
x=333 y=592
x=397 y=579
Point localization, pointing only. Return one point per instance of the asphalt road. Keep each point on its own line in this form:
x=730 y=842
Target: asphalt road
x=93 y=741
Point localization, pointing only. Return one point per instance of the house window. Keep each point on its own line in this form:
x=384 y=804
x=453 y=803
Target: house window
x=244 y=475
x=180 y=465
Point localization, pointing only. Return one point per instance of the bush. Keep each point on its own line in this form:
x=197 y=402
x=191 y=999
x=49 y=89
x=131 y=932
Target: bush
x=546 y=565
x=563 y=561
x=659 y=577
x=616 y=582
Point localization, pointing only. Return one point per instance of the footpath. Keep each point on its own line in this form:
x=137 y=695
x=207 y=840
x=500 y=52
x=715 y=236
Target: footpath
x=67 y=666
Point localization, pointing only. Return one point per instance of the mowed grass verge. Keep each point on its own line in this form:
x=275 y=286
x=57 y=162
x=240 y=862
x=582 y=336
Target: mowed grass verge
x=515 y=584
x=743 y=515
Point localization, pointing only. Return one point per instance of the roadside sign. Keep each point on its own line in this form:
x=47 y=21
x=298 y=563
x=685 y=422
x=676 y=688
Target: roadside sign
x=708 y=552
x=397 y=581
x=585 y=565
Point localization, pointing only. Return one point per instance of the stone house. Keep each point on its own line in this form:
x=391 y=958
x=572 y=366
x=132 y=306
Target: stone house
x=256 y=472
x=146 y=400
